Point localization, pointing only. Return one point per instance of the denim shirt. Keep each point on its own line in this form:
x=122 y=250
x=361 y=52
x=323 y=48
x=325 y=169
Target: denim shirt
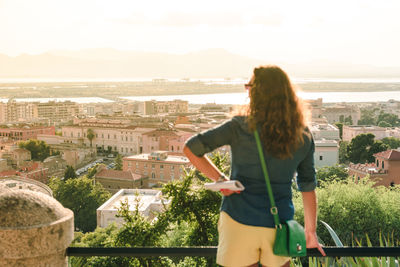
x=252 y=206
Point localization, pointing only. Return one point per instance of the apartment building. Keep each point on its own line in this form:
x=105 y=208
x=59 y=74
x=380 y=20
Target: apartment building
x=56 y=111
x=384 y=171
x=158 y=166
x=26 y=132
x=51 y=112
x=153 y=107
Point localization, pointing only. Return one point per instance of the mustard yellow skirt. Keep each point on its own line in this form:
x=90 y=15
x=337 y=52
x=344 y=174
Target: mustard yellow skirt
x=242 y=245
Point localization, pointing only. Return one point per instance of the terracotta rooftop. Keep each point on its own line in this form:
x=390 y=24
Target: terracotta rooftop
x=126 y=175
x=391 y=154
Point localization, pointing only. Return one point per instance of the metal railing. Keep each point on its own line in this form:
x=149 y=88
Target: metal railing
x=212 y=251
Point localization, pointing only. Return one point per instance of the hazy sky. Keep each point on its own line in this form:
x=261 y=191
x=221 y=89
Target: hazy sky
x=366 y=32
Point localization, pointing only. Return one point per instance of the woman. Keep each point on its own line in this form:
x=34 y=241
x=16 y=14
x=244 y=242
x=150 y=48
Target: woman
x=246 y=227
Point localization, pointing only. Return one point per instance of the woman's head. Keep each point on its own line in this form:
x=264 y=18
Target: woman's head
x=276 y=110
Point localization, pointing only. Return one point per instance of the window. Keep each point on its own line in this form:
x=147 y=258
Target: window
x=122 y=149
x=161 y=176
x=153 y=166
x=79 y=135
x=108 y=136
x=115 y=136
x=102 y=135
x=161 y=166
x=383 y=164
x=172 y=167
x=377 y=163
x=320 y=157
x=153 y=175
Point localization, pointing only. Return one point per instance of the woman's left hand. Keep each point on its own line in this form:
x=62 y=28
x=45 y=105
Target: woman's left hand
x=312 y=242
x=228 y=192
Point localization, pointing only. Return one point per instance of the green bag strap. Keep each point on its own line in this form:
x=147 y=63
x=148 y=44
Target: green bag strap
x=274 y=209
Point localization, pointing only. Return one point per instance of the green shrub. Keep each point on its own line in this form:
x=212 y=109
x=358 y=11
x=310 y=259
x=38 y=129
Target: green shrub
x=354 y=210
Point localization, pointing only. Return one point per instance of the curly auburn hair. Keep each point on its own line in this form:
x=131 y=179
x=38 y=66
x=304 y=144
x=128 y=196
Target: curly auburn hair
x=277 y=111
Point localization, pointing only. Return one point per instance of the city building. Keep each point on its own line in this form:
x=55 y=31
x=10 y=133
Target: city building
x=167 y=140
x=26 y=132
x=51 y=112
x=109 y=135
x=153 y=107
x=325 y=131
x=20 y=156
x=147 y=201
x=3 y=111
x=114 y=180
x=342 y=113
x=326 y=153
x=3 y=165
x=384 y=171
x=315 y=106
x=326 y=138
x=349 y=132
x=158 y=166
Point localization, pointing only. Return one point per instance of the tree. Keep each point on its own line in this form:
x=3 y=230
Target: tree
x=339 y=125
x=362 y=147
x=39 y=149
x=83 y=197
x=384 y=124
x=367 y=117
x=118 y=162
x=332 y=173
x=92 y=171
x=343 y=152
x=348 y=120
x=69 y=173
x=392 y=142
x=389 y=118
x=90 y=135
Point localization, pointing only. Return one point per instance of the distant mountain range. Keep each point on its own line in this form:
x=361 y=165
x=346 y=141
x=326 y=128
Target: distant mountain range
x=213 y=63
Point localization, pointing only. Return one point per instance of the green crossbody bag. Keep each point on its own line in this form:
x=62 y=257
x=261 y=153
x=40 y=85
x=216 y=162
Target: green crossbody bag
x=290 y=239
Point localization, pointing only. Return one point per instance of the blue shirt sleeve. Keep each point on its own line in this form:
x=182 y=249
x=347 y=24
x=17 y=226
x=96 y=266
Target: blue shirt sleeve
x=306 y=180
x=209 y=140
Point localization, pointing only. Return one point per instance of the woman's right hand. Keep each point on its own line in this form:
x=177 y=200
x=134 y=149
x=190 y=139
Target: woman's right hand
x=312 y=242
x=228 y=192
